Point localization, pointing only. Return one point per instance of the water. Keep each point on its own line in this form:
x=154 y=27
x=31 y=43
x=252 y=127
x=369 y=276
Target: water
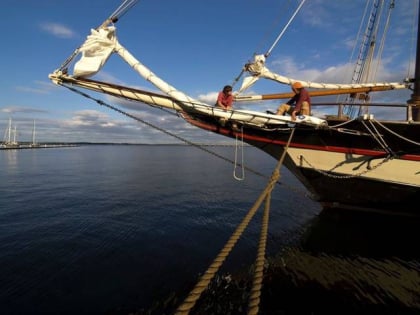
x=118 y=229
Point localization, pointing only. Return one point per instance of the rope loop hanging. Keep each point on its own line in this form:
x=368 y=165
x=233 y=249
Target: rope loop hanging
x=239 y=144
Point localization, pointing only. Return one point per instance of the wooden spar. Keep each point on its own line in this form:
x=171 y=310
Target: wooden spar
x=150 y=98
x=314 y=93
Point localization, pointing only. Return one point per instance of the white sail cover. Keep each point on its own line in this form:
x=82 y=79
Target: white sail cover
x=96 y=50
x=257 y=69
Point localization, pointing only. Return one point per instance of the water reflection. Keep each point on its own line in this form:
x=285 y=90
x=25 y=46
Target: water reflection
x=349 y=263
x=10 y=158
x=345 y=263
x=364 y=234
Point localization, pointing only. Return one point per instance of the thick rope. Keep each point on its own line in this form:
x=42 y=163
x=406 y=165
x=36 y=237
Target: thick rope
x=254 y=299
x=396 y=134
x=204 y=281
x=377 y=136
x=202 y=284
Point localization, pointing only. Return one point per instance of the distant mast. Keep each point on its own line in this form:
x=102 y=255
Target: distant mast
x=9 y=131
x=33 y=134
x=9 y=134
x=14 y=136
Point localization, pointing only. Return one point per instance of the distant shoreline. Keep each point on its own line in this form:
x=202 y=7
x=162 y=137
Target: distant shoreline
x=77 y=144
x=31 y=146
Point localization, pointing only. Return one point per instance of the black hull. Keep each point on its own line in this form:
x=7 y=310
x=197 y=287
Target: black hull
x=363 y=194
x=335 y=186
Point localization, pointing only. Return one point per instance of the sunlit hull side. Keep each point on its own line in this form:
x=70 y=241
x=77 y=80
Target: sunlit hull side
x=340 y=168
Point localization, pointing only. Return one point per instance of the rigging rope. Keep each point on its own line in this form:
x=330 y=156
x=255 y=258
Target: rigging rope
x=284 y=29
x=113 y=18
x=238 y=77
x=382 y=41
x=396 y=134
x=377 y=136
x=122 y=9
x=364 y=70
x=412 y=51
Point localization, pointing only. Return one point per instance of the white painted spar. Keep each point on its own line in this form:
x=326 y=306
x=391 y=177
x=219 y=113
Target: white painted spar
x=257 y=118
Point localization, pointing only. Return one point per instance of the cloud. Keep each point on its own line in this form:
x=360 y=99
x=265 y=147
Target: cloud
x=209 y=98
x=58 y=30
x=89 y=117
x=20 y=109
x=315 y=17
x=339 y=73
x=289 y=67
x=96 y=126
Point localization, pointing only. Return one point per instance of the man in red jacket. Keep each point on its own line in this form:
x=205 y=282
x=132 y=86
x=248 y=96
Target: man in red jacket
x=301 y=101
x=225 y=98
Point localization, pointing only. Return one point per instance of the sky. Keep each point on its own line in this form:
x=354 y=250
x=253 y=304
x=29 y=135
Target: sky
x=196 y=46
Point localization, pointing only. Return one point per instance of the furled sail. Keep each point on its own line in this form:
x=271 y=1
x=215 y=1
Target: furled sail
x=257 y=69
x=96 y=50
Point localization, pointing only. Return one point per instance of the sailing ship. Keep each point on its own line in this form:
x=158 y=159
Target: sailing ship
x=9 y=141
x=349 y=160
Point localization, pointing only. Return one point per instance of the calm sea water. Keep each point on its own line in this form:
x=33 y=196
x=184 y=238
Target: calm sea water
x=119 y=229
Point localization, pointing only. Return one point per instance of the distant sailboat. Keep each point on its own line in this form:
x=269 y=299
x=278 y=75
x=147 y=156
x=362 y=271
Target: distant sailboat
x=8 y=142
x=33 y=144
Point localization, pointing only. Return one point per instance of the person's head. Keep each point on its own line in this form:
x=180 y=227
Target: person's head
x=227 y=89
x=297 y=86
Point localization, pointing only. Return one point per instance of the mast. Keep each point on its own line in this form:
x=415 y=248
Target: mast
x=415 y=97
x=33 y=134
x=9 y=131
x=14 y=136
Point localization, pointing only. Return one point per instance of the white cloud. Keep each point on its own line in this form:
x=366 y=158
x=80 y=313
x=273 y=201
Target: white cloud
x=209 y=98
x=88 y=117
x=58 y=30
x=20 y=109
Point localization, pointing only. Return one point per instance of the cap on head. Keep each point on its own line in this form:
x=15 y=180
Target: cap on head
x=297 y=85
x=227 y=88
